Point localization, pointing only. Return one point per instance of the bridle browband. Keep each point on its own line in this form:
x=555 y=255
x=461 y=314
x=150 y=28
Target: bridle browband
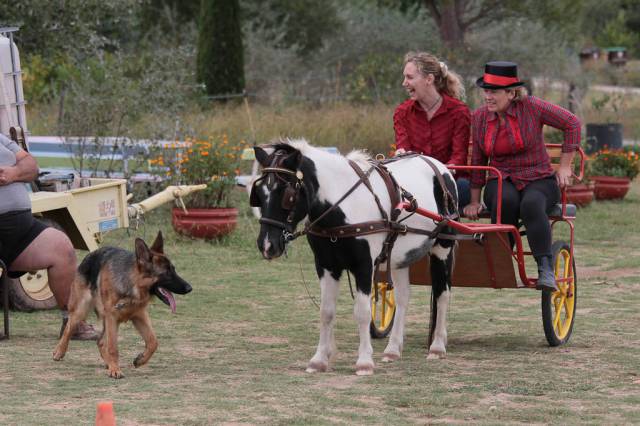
x=389 y=223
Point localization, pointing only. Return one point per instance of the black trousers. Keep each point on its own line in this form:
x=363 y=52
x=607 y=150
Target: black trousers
x=531 y=204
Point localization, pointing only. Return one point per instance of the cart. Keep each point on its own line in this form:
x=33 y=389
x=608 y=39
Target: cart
x=485 y=259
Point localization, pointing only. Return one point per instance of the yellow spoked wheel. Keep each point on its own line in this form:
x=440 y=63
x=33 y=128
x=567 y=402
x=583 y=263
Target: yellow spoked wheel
x=382 y=312
x=559 y=307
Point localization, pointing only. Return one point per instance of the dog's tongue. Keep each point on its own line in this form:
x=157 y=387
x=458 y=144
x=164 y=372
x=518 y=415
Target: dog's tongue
x=169 y=296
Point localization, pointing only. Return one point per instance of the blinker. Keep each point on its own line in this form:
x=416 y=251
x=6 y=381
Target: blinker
x=289 y=197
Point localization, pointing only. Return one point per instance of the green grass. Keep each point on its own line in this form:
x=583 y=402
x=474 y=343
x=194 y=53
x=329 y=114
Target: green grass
x=236 y=350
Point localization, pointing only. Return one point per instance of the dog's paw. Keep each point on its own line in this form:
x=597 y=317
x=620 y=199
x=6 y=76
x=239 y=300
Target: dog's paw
x=137 y=362
x=115 y=373
x=57 y=356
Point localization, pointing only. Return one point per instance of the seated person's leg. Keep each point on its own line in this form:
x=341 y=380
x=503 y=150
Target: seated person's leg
x=464 y=192
x=538 y=198
x=510 y=201
x=50 y=250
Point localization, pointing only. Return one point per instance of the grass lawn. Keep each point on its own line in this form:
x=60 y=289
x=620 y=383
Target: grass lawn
x=236 y=350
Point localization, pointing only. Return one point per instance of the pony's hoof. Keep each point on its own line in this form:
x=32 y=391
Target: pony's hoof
x=316 y=367
x=390 y=357
x=436 y=355
x=57 y=356
x=364 y=370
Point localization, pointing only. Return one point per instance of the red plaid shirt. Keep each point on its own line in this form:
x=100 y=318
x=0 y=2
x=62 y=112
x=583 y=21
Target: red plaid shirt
x=445 y=137
x=528 y=159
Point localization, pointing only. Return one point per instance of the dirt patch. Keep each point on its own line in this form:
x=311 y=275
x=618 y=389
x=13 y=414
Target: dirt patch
x=587 y=272
x=268 y=340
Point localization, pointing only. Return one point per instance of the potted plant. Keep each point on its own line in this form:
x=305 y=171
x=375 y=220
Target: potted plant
x=208 y=213
x=612 y=172
x=608 y=130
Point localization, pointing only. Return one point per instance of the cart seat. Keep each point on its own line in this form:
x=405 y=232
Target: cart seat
x=557 y=210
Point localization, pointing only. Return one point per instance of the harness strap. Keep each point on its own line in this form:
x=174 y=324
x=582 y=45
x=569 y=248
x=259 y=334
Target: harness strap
x=365 y=179
x=446 y=195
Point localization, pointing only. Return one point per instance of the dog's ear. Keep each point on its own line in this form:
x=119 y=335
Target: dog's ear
x=158 y=244
x=143 y=254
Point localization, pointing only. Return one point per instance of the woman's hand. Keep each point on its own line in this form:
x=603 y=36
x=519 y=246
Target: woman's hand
x=399 y=151
x=472 y=210
x=563 y=176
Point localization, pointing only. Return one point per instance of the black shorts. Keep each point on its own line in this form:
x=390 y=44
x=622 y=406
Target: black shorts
x=17 y=230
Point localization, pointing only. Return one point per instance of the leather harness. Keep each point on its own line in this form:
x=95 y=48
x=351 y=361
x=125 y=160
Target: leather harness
x=388 y=223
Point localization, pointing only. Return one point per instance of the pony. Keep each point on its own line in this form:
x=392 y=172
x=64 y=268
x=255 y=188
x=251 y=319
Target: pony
x=301 y=182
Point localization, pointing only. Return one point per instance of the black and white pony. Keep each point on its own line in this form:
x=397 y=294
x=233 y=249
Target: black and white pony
x=301 y=182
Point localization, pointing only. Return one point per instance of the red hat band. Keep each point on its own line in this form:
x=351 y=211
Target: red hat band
x=499 y=80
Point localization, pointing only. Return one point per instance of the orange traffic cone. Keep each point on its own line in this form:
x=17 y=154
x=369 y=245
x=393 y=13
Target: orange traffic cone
x=105 y=415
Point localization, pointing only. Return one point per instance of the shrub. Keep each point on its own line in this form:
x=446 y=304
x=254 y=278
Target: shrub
x=213 y=161
x=618 y=163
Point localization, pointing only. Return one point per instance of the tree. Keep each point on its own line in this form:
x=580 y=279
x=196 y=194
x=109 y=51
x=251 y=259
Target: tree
x=301 y=24
x=168 y=16
x=220 y=62
x=455 y=18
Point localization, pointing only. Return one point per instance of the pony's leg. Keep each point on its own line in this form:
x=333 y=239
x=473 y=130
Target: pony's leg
x=327 y=344
x=401 y=290
x=362 y=315
x=441 y=267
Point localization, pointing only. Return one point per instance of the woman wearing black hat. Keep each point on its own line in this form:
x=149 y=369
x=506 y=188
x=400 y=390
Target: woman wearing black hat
x=507 y=130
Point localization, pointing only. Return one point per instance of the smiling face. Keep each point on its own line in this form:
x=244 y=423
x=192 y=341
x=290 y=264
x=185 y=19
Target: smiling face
x=416 y=84
x=498 y=100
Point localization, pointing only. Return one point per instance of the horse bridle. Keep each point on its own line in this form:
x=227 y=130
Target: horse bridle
x=290 y=196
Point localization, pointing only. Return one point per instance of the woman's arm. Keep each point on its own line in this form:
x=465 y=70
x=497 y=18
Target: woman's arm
x=473 y=209
x=25 y=170
x=400 y=130
x=561 y=119
x=461 y=137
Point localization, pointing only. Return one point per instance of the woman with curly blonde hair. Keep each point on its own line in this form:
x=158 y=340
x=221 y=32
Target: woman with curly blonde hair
x=434 y=121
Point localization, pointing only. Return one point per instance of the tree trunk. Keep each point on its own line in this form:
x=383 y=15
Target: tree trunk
x=447 y=15
x=450 y=29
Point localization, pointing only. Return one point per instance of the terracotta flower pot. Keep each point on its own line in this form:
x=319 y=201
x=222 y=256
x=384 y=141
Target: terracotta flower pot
x=580 y=194
x=610 y=188
x=204 y=223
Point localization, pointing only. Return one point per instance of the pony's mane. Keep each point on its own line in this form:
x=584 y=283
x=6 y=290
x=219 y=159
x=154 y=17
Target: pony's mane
x=308 y=150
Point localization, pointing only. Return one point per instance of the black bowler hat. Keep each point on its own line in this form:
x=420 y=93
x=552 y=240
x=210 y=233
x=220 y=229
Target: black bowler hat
x=499 y=75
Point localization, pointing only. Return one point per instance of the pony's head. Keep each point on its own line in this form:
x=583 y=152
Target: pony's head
x=281 y=194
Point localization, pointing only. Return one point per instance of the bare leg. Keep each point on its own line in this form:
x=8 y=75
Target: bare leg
x=326 y=345
x=51 y=250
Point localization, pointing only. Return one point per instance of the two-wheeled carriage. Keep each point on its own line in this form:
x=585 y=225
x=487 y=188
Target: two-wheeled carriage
x=485 y=259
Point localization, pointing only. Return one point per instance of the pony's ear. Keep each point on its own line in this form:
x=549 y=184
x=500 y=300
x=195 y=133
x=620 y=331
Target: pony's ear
x=261 y=155
x=293 y=159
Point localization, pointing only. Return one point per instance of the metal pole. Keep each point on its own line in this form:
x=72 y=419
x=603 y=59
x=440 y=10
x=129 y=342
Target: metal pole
x=15 y=74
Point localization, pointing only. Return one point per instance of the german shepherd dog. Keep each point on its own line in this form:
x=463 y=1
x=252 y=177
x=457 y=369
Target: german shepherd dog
x=118 y=285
